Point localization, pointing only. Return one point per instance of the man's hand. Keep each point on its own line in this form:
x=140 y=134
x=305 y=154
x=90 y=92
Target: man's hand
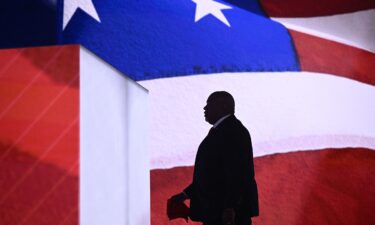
x=176 y=207
x=181 y=197
x=228 y=216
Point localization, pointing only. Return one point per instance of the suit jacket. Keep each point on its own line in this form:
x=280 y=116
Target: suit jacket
x=224 y=173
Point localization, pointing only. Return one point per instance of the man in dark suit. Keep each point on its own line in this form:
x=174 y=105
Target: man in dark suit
x=223 y=191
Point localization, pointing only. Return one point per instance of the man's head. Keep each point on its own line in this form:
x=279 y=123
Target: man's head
x=219 y=104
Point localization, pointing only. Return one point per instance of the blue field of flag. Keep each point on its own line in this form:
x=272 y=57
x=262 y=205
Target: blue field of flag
x=158 y=38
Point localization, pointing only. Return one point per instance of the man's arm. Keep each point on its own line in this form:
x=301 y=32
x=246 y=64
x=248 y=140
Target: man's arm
x=185 y=194
x=234 y=166
x=234 y=152
x=189 y=190
x=235 y=155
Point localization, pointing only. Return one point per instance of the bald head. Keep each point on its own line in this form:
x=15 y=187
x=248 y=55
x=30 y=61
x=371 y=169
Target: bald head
x=219 y=104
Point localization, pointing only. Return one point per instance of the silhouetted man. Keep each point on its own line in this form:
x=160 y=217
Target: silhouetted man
x=223 y=191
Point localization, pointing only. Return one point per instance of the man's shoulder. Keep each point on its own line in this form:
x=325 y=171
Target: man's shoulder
x=233 y=132
x=233 y=125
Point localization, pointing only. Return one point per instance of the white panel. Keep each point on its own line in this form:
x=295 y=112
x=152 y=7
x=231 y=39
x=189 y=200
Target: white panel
x=114 y=158
x=139 y=159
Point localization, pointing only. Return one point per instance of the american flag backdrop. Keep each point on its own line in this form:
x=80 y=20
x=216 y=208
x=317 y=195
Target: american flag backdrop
x=302 y=74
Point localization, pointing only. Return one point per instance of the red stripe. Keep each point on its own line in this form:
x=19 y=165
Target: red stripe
x=334 y=186
x=71 y=217
x=39 y=143
x=8 y=59
x=51 y=194
x=38 y=184
x=47 y=107
x=42 y=157
x=29 y=84
x=309 y=8
x=325 y=56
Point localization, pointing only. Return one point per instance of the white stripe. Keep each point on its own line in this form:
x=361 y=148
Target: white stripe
x=355 y=29
x=283 y=112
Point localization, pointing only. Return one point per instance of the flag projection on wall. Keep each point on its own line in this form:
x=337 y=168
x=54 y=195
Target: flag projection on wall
x=302 y=74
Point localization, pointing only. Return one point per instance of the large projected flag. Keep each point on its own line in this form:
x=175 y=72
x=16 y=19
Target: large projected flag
x=302 y=74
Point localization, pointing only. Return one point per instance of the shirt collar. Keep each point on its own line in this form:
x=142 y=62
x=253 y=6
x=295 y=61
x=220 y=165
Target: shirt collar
x=220 y=120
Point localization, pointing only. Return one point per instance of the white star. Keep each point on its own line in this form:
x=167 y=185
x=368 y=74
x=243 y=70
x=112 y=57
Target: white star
x=205 y=7
x=71 y=6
